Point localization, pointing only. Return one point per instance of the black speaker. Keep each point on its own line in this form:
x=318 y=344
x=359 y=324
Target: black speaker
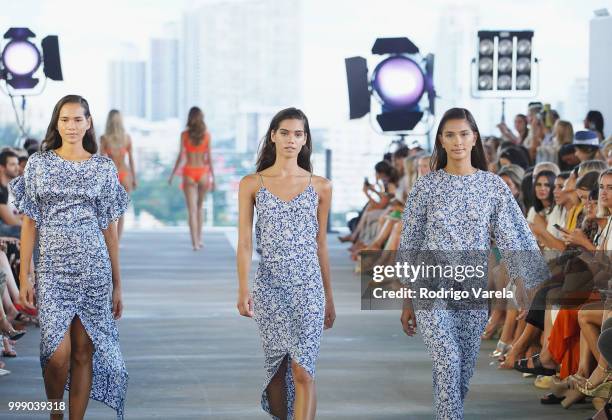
x=51 y=57
x=358 y=88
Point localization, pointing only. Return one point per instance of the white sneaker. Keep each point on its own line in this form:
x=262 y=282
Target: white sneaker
x=4 y=372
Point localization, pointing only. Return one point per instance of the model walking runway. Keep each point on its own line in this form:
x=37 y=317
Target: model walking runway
x=73 y=204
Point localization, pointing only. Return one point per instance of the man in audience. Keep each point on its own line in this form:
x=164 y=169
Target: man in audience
x=10 y=224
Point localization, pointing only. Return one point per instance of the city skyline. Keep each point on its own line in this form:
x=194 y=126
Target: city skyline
x=327 y=39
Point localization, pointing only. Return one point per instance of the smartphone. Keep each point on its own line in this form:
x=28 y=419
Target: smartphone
x=365 y=181
x=559 y=228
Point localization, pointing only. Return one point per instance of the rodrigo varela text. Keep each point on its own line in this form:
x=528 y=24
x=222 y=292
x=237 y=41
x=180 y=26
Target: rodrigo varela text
x=425 y=293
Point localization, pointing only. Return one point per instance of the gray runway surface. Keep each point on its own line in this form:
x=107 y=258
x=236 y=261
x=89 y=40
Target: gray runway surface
x=191 y=356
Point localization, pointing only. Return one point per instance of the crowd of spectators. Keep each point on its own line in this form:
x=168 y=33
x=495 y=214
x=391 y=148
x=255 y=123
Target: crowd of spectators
x=13 y=317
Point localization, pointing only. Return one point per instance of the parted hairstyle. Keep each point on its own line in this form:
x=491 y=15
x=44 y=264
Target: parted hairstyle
x=53 y=140
x=267 y=149
x=439 y=159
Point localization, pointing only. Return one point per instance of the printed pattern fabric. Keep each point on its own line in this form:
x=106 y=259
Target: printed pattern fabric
x=288 y=296
x=71 y=203
x=455 y=214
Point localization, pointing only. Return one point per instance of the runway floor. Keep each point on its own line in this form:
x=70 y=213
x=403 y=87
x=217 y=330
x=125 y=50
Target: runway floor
x=191 y=356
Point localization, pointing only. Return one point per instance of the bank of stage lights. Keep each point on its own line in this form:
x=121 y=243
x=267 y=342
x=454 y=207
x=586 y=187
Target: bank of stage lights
x=505 y=64
x=398 y=82
x=21 y=58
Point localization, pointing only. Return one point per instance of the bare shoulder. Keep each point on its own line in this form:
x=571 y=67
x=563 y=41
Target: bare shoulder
x=250 y=183
x=322 y=185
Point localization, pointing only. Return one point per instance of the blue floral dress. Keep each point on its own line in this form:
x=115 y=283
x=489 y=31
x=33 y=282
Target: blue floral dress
x=288 y=295
x=71 y=203
x=456 y=217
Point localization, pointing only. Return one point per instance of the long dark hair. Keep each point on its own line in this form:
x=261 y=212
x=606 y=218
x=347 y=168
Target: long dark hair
x=439 y=158
x=596 y=121
x=53 y=140
x=538 y=205
x=196 y=127
x=267 y=150
x=524 y=135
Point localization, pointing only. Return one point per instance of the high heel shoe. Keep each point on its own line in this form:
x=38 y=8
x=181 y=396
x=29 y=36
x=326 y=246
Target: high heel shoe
x=501 y=349
x=603 y=390
x=11 y=332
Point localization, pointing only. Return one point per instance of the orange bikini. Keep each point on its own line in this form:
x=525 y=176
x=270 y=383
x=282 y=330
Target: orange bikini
x=122 y=152
x=195 y=172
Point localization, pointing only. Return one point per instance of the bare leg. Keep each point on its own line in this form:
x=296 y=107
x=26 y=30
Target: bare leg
x=394 y=238
x=585 y=364
x=189 y=188
x=589 y=319
x=56 y=372
x=529 y=335
x=277 y=395
x=509 y=325
x=11 y=285
x=7 y=303
x=382 y=235
x=199 y=204
x=305 y=396
x=81 y=369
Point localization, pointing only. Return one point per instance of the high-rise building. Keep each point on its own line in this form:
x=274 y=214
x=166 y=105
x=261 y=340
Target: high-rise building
x=163 y=79
x=600 y=88
x=128 y=87
x=238 y=56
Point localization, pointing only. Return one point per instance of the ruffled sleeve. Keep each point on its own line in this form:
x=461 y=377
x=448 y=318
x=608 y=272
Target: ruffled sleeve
x=24 y=191
x=113 y=200
x=515 y=241
x=414 y=222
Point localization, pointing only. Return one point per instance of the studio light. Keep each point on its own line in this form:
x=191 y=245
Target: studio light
x=398 y=83
x=504 y=64
x=21 y=58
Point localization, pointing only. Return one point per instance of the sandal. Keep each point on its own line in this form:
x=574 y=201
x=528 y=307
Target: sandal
x=551 y=399
x=537 y=369
x=11 y=333
x=500 y=350
x=603 y=390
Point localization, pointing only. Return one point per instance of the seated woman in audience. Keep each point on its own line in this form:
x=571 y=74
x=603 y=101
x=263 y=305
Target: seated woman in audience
x=564 y=344
x=379 y=195
x=513 y=175
x=520 y=125
x=544 y=201
x=563 y=133
x=515 y=155
x=586 y=145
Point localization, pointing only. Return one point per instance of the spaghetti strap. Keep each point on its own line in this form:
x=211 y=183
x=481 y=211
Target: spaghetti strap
x=261 y=180
x=310 y=180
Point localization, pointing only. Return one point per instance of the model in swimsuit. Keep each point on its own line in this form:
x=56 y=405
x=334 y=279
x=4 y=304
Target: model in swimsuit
x=198 y=177
x=117 y=144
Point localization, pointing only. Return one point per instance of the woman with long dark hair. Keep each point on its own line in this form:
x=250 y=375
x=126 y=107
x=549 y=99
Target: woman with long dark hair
x=453 y=210
x=198 y=176
x=594 y=121
x=291 y=300
x=71 y=197
x=117 y=144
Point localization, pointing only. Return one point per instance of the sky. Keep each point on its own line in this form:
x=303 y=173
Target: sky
x=93 y=32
